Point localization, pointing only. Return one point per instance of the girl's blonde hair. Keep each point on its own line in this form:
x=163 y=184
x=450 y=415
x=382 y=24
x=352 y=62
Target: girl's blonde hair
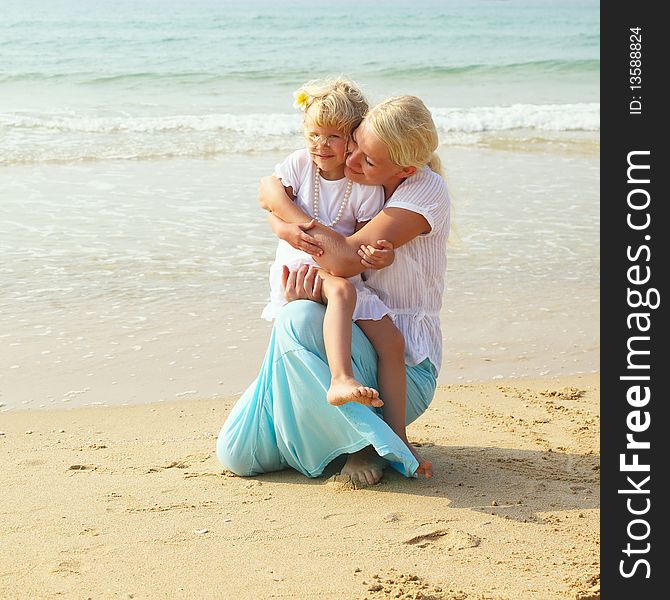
x=406 y=127
x=335 y=102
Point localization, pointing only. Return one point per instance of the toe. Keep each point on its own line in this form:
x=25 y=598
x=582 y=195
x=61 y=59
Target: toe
x=369 y=477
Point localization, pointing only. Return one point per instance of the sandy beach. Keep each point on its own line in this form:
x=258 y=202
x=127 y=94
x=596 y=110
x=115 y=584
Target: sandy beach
x=135 y=269
x=131 y=502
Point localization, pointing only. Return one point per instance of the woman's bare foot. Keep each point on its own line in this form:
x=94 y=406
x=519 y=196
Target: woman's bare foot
x=425 y=466
x=364 y=467
x=347 y=389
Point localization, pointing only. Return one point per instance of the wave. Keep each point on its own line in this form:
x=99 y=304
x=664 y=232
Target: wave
x=552 y=67
x=283 y=73
x=46 y=138
x=543 y=117
x=251 y=124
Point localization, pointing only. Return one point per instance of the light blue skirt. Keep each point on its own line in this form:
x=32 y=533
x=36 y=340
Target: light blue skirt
x=284 y=420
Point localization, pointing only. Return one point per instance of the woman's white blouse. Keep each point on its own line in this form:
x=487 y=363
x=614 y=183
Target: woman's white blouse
x=413 y=286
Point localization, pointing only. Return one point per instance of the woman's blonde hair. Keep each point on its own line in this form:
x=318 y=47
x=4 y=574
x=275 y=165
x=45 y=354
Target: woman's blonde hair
x=406 y=127
x=335 y=102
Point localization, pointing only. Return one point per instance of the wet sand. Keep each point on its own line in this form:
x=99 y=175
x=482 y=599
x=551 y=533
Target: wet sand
x=132 y=282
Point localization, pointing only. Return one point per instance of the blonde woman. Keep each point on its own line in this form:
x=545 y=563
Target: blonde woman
x=284 y=418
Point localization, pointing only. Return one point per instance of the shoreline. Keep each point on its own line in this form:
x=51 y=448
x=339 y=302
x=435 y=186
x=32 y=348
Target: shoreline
x=171 y=286
x=95 y=492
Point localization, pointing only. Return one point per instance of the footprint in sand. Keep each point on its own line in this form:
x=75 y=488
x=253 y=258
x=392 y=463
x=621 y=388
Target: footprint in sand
x=187 y=461
x=68 y=567
x=445 y=539
x=82 y=468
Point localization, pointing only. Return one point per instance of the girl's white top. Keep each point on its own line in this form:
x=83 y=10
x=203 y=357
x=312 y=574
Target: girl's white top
x=413 y=286
x=298 y=172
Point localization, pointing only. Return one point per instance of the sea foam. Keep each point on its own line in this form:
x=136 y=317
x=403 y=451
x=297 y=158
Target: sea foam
x=64 y=138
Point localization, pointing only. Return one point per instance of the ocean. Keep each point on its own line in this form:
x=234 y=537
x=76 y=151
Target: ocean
x=133 y=135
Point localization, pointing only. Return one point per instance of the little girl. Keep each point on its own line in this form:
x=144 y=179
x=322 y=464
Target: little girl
x=314 y=179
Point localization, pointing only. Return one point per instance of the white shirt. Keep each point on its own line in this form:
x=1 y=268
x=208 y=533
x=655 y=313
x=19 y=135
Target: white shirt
x=298 y=171
x=413 y=286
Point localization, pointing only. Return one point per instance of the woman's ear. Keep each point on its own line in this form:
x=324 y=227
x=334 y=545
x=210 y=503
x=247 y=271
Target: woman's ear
x=406 y=172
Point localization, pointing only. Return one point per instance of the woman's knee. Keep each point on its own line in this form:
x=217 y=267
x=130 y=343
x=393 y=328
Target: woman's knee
x=296 y=314
x=233 y=457
x=301 y=321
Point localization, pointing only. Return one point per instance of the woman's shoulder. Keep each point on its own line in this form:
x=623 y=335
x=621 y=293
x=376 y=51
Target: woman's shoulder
x=424 y=193
x=425 y=187
x=426 y=179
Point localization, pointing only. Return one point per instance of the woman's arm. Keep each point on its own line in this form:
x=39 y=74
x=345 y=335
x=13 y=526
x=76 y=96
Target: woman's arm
x=377 y=256
x=340 y=255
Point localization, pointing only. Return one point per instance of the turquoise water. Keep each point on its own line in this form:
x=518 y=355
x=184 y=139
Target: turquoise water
x=150 y=79
x=139 y=43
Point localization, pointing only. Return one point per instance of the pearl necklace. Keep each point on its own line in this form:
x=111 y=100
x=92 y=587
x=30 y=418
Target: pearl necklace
x=340 y=211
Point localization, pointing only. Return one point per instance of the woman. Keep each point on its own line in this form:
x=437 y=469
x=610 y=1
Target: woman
x=283 y=418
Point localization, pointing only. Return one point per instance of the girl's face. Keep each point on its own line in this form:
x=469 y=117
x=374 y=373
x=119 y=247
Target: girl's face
x=327 y=146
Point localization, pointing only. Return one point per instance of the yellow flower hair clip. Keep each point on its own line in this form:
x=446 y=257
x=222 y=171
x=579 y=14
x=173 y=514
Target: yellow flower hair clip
x=301 y=100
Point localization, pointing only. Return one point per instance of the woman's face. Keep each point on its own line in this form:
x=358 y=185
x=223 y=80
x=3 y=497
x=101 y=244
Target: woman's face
x=368 y=162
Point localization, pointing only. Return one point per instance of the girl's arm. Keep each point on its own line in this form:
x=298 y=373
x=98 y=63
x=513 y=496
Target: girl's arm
x=275 y=198
x=294 y=234
x=340 y=256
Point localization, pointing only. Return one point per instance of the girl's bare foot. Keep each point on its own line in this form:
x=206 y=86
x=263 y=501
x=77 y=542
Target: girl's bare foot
x=347 y=389
x=364 y=467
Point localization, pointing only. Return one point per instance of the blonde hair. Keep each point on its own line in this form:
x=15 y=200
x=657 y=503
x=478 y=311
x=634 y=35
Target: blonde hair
x=335 y=102
x=406 y=127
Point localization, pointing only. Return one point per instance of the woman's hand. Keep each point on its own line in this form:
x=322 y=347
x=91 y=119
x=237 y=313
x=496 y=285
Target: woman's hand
x=295 y=234
x=303 y=284
x=379 y=256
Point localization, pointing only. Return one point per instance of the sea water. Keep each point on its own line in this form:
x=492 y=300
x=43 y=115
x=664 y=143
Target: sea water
x=133 y=135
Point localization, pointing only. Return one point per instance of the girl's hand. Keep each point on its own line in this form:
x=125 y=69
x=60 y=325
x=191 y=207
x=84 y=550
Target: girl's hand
x=379 y=256
x=295 y=235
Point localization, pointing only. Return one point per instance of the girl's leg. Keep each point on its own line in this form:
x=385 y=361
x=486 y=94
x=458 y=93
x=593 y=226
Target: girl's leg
x=339 y=296
x=389 y=344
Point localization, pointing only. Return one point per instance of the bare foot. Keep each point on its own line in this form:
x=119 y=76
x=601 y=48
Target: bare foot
x=348 y=389
x=425 y=466
x=364 y=467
